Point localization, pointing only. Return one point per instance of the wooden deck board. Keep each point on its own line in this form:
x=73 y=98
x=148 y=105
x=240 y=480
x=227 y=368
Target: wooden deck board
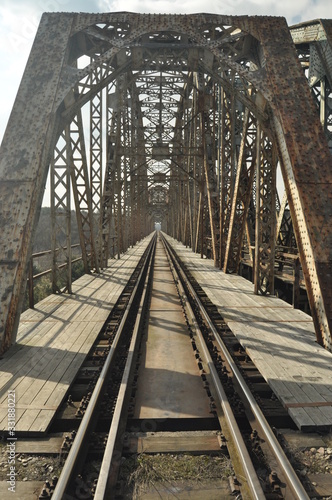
x=53 y=341
x=22 y=362
x=31 y=386
x=279 y=339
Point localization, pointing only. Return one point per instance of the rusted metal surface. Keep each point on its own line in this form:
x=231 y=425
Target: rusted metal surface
x=266 y=159
x=24 y=156
x=313 y=43
x=242 y=194
x=307 y=170
x=158 y=153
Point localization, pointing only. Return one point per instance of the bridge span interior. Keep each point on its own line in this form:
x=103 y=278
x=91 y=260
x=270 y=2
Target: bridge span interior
x=215 y=128
x=56 y=336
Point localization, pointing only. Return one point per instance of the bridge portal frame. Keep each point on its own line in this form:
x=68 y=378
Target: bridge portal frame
x=53 y=91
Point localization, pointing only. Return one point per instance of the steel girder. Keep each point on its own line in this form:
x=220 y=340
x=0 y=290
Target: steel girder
x=26 y=152
x=186 y=154
x=266 y=160
x=307 y=173
x=108 y=211
x=61 y=214
x=246 y=165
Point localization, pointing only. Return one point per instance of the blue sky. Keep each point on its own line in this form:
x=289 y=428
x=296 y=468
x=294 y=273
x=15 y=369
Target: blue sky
x=19 y=22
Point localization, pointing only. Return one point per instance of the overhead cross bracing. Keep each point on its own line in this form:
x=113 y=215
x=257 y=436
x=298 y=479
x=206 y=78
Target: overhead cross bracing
x=178 y=119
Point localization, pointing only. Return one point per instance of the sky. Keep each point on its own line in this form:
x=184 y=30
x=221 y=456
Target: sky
x=19 y=21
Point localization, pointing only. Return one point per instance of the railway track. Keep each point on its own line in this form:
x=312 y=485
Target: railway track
x=99 y=419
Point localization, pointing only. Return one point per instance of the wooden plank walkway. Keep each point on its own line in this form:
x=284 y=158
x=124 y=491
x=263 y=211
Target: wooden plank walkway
x=170 y=385
x=53 y=341
x=279 y=339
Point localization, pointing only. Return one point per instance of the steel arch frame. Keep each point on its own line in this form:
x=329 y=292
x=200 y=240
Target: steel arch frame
x=251 y=57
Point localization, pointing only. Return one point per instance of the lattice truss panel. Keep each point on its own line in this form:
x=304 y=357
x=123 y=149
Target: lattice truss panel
x=189 y=121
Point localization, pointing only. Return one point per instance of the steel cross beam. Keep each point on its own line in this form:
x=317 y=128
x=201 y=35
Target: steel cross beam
x=154 y=59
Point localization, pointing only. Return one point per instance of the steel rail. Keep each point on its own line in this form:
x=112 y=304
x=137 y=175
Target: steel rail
x=247 y=466
x=76 y=448
x=108 y=458
x=287 y=469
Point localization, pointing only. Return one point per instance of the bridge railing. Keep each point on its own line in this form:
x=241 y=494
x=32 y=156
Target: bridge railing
x=33 y=277
x=287 y=271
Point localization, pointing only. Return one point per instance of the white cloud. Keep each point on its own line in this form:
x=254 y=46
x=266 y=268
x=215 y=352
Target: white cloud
x=293 y=11
x=19 y=21
x=317 y=9
x=17 y=28
x=18 y=25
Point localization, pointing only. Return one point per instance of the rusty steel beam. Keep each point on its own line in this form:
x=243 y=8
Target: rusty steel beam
x=96 y=150
x=285 y=233
x=61 y=223
x=266 y=160
x=24 y=157
x=228 y=168
x=313 y=41
x=107 y=199
x=82 y=194
x=242 y=194
x=206 y=103
x=306 y=166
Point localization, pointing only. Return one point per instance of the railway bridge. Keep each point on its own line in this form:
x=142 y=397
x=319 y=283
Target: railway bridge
x=216 y=129
x=186 y=120
x=190 y=121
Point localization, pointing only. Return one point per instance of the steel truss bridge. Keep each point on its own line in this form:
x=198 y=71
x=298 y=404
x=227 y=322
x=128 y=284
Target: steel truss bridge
x=185 y=120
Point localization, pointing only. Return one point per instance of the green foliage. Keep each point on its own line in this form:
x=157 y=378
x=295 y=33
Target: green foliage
x=77 y=270
x=42 y=288
x=43 y=235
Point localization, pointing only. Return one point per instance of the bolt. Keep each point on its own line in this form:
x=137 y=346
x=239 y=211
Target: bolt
x=273 y=478
x=66 y=442
x=212 y=407
x=234 y=484
x=44 y=494
x=254 y=435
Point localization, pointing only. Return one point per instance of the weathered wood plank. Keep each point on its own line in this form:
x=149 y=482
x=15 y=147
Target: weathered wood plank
x=280 y=340
x=27 y=490
x=53 y=341
x=168 y=442
x=49 y=444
